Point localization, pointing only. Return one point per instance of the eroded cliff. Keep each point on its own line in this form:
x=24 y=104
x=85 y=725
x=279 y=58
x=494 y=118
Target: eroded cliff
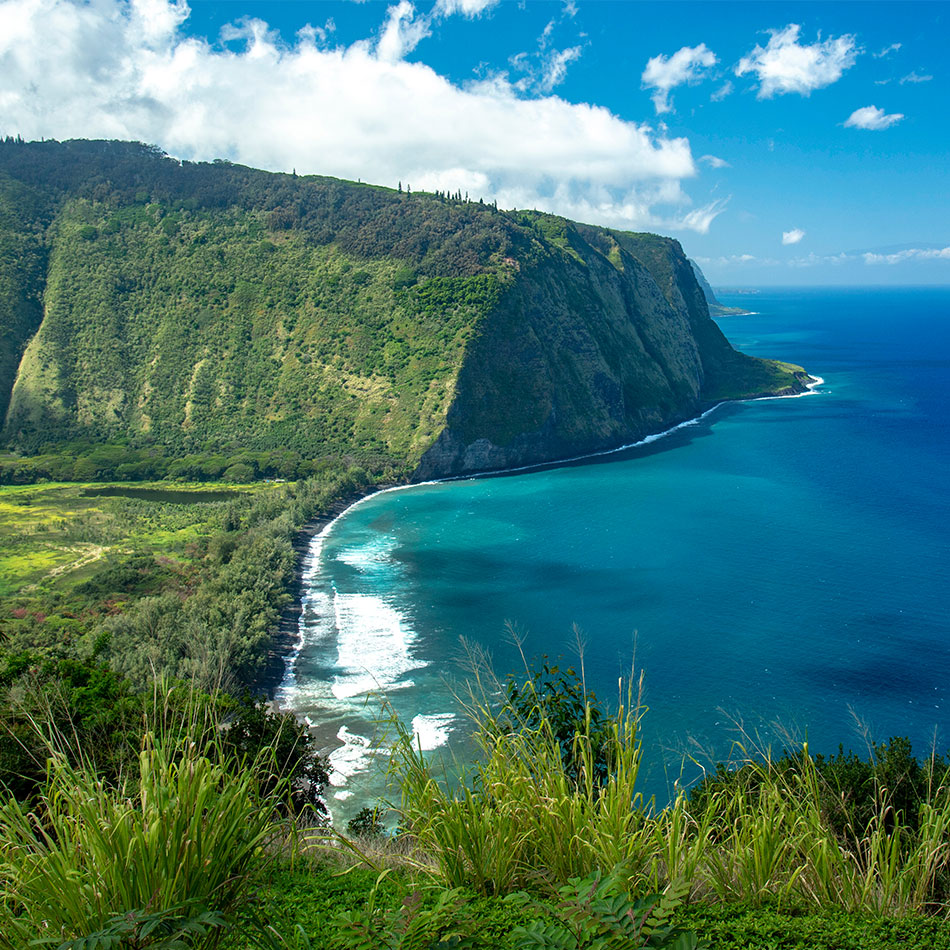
x=166 y=317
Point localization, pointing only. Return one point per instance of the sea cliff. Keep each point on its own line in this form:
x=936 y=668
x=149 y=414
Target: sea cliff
x=163 y=317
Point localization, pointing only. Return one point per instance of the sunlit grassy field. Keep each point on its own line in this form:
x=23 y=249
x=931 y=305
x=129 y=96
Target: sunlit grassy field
x=54 y=536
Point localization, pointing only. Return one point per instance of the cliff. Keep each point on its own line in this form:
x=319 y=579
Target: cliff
x=156 y=314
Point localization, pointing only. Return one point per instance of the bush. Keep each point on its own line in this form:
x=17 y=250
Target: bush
x=282 y=752
x=174 y=852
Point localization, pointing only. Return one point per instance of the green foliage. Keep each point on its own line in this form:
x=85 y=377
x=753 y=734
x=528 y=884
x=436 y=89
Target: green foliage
x=92 y=718
x=596 y=913
x=171 y=929
x=88 y=713
x=890 y=785
x=413 y=925
x=283 y=753
x=558 y=700
x=366 y=824
x=176 y=849
x=741 y=926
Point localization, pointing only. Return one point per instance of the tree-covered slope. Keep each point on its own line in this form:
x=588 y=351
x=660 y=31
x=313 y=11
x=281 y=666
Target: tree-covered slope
x=205 y=310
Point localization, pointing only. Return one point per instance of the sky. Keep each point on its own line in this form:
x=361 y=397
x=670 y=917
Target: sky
x=781 y=143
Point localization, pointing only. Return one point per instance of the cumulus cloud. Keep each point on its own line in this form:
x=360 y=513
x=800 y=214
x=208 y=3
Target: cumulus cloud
x=915 y=77
x=127 y=70
x=910 y=254
x=872 y=118
x=724 y=90
x=793 y=236
x=664 y=73
x=714 y=161
x=784 y=65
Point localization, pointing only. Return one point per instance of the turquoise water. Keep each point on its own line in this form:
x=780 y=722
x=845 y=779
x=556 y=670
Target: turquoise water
x=781 y=564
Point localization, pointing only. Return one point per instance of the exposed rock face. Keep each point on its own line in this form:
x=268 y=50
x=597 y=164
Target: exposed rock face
x=708 y=292
x=589 y=352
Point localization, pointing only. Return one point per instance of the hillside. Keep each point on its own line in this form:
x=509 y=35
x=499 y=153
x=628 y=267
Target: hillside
x=159 y=317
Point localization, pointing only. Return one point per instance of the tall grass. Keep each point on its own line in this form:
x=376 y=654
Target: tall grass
x=772 y=838
x=523 y=816
x=520 y=817
x=172 y=851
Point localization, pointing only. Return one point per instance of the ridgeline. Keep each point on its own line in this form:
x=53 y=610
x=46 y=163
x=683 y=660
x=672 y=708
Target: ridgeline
x=204 y=321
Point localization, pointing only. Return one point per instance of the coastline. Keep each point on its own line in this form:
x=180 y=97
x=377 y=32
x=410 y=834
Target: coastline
x=288 y=640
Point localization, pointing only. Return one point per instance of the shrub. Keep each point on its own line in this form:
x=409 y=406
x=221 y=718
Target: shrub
x=176 y=851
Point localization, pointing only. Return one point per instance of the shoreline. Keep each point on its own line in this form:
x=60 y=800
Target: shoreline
x=288 y=640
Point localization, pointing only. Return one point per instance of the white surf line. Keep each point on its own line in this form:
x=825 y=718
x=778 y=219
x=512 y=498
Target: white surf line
x=646 y=440
x=315 y=550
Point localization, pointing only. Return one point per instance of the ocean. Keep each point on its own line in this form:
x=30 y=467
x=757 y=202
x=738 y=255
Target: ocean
x=778 y=570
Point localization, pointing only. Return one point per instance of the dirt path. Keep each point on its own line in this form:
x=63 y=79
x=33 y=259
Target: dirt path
x=87 y=553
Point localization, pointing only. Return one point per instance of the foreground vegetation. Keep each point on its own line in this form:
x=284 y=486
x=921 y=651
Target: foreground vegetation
x=193 y=826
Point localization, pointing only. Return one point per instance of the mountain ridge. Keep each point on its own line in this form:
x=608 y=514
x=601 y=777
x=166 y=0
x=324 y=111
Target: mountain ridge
x=219 y=313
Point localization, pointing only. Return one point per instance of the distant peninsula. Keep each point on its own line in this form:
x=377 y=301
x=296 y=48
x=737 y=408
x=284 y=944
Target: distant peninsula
x=207 y=320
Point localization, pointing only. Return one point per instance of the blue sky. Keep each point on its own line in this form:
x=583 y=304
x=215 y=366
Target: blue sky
x=782 y=143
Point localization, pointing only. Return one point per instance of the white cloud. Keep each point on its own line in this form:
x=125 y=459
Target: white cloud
x=114 y=69
x=834 y=260
x=893 y=48
x=724 y=90
x=402 y=32
x=714 y=162
x=664 y=73
x=727 y=260
x=699 y=219
x=872 y=118
x=546 y=67
x=468 y=8
x=785 y=65
x=793 y=236
x=910 y=254
x=816 y=260
x=915 y=77
x=555 y=67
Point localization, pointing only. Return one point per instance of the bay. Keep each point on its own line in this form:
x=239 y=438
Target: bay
x=778 y=569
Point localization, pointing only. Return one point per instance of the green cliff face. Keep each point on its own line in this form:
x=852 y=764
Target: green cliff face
x=602 y=338
x=183 y=309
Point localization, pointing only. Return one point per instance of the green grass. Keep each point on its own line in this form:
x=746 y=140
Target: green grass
x=53 y=536
x=312 y=894
x=175 y=849
x=742 y=927
x=191 y=590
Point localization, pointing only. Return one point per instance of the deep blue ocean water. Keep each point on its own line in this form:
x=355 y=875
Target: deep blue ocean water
x=781 y=566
